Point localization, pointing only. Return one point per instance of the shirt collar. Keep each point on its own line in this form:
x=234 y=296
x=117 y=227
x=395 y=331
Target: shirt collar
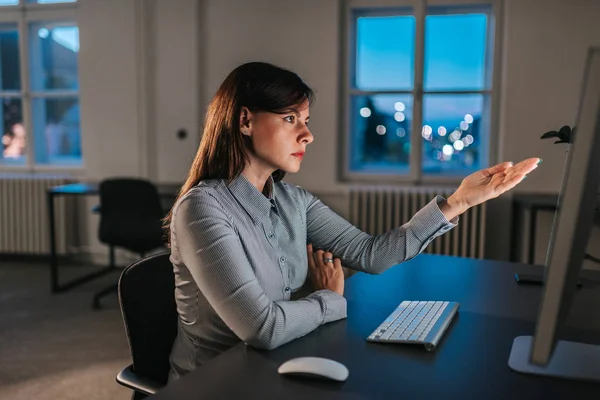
x=254 y=202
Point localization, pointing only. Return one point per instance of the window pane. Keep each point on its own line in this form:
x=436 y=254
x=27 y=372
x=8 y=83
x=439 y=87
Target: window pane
x=57 y=132
x=380 y=133
x=10 y=74
x=9 y=2
x=54 y=51
x=455 y=132
x=385 y=52
x=455 y=49
x=14 y=137
x=51 y=1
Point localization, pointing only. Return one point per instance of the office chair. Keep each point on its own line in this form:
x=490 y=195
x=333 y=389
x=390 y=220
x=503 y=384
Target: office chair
x=147 y=300
x=130 y=217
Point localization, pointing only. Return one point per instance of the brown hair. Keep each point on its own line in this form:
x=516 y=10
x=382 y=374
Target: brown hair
x=222 y=153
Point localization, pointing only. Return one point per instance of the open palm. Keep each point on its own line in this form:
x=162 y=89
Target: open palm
x=490 y=183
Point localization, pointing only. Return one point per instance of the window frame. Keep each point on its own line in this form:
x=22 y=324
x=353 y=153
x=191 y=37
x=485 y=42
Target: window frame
x=23 y=15
x=419 y=8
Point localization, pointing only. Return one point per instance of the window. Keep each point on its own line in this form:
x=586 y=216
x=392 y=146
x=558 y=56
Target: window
x=39 y=84
x=419 y=89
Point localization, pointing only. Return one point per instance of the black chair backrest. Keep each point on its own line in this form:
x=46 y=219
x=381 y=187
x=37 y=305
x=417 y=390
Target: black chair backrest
x=130 y=214
x=147 y=299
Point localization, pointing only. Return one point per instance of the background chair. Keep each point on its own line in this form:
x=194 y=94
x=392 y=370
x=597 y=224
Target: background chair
x=130 y=217
x=147 y=300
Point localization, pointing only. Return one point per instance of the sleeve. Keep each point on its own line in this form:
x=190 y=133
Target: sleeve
x=373 y=254
x=209 y=246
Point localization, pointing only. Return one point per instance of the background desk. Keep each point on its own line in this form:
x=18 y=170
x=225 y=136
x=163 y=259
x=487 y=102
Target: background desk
x=534 y=203
x=470 y=362
x=167 y=191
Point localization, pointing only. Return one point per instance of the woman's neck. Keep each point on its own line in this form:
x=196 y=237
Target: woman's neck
x=259 y=178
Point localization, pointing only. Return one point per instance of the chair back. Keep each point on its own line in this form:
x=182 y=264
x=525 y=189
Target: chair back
x=130 y=214
x=147 y=300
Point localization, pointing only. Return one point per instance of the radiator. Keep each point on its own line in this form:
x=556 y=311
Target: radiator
x=380 y=209
x=24 y=220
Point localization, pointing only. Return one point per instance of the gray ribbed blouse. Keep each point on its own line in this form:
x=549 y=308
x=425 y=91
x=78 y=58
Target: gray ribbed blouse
x=239 y=256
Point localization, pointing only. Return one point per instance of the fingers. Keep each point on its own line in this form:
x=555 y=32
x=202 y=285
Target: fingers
x=311 y=257
x=509 y=183
x=498 y=168
x=337 y=264
x=318 y=258
x=328 y=255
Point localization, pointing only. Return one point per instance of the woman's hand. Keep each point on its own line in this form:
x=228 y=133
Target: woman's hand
x=325 y=275
x=487 y=184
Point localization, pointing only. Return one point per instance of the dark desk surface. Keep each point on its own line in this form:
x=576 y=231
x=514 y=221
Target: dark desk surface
x=470 y=362
x=90 y=188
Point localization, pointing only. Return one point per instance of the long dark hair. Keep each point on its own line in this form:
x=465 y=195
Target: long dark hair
x=222 y=153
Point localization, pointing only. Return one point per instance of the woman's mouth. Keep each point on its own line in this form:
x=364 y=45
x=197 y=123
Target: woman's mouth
x=299 y=155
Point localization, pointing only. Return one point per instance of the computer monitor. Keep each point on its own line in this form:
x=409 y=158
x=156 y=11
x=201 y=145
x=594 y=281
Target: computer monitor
x=543 y=353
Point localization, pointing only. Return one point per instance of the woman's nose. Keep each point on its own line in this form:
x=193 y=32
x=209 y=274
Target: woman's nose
x=306 y=137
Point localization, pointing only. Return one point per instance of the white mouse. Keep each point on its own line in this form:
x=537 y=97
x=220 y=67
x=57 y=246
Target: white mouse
x=314 y=367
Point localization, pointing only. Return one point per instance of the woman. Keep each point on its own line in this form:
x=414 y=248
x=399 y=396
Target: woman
x=239 y=234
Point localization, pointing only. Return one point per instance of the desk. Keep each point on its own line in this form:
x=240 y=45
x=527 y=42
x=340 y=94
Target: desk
x=82 y=189
x=471 y=361
x=534 y=202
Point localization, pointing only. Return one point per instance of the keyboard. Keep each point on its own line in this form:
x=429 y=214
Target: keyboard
x=416 y=322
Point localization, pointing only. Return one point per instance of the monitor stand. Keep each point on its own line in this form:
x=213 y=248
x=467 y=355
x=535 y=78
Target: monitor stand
x=570 y=360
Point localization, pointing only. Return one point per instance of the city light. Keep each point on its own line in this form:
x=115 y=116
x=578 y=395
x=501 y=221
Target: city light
x=427 y=130
x=365 y=112
x=442 y=131
x=447 y=150
x=380 y=130
x=399 y=116
x=400 y=132
x=399 y=106
x=43 y=33
x=464 y=125
x=468 y=118
x=459 y=145
x=469 y=139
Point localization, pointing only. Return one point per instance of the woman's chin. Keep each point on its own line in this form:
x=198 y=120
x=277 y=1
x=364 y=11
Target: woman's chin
x=290 y=169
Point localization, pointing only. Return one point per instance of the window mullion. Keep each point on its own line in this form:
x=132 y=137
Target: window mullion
x=417 y=121
x=26 y=99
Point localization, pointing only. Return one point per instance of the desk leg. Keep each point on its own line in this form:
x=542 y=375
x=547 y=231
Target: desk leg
x=53 y=257
x=55 y=287
x=532 y=230
x=515 y=247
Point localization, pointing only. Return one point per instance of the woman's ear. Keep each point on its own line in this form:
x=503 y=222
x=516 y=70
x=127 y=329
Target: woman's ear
x=245 y=121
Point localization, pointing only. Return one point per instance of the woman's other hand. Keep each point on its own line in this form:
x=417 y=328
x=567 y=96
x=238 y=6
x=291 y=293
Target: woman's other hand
x=487 y=184
x=325 y=275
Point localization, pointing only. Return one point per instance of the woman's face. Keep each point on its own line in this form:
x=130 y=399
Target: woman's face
x=279 y=140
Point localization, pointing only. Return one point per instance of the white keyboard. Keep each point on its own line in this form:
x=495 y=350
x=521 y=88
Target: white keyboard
x=416 y=322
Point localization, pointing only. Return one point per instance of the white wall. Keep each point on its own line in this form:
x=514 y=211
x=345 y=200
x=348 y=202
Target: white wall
x=544 y=46
x=108 y=74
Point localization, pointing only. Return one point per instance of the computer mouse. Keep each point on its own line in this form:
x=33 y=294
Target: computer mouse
x=314 y=367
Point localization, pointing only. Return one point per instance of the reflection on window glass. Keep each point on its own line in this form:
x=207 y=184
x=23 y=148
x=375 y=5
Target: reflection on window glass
x=54 y=52
x=10 y=74
x=57 y=131
x=381 y=133
x=14 y=137
x=455 y=49
x=8 y=2
x=452 y=133
x=385 y=52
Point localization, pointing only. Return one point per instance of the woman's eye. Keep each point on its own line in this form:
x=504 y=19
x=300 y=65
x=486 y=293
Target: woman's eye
x=290 y=119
